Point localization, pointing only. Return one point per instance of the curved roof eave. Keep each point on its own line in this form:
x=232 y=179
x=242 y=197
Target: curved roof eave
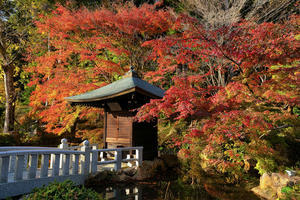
x=118 y=88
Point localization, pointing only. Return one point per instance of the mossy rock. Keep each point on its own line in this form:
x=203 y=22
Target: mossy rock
x=107 y=177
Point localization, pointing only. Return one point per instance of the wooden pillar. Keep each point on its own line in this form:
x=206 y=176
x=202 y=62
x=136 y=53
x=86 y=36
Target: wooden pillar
x=105 y=130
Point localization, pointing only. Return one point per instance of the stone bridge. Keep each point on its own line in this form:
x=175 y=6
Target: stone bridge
x=24 y=168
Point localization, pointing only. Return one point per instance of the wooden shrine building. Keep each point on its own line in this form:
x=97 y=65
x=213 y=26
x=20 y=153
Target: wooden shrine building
x=118 y=100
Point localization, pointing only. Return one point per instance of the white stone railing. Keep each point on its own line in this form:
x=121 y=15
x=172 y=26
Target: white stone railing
x=24 y=168
x=98 y=154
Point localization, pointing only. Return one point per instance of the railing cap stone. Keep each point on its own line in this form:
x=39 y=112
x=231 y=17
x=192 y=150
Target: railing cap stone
x=86 y=143
x=64 y=141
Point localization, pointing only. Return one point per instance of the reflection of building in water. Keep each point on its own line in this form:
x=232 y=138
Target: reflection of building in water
x=133 y=193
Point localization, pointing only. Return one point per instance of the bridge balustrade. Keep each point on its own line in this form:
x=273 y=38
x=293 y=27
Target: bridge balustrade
x=24 y=168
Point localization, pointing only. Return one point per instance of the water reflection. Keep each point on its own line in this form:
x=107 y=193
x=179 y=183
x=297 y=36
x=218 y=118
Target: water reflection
x=123 y=193
x=175 y=191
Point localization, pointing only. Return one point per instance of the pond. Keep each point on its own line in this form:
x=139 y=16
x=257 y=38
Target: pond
x=175 y=190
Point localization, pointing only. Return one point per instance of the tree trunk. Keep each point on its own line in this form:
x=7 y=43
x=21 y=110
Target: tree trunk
x=9 y=99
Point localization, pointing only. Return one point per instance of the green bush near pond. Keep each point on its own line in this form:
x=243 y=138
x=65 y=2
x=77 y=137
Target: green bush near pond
x=291 y=192
x=66 y=190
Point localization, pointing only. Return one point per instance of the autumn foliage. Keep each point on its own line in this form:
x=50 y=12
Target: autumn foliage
x=239 y=89
x=84 y=50
x=235 y=87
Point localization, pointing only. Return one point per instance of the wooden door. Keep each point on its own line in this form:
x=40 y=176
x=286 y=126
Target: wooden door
x=119 y=130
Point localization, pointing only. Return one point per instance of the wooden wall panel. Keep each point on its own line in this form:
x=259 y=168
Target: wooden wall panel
x=112 y=126
x=125 y=127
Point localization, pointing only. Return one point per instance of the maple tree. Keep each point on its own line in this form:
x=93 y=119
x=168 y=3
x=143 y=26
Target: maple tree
x=81 y=50
x=230 y=89
x=239 y=89
x=17 y=30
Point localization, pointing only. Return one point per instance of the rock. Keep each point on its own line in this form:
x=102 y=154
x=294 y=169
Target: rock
x=271 y=184
x=144 y=171
x=170 y=161
x=280 y=195
x=149 y=169
x=100 y=177
x=266 y=193
x=119 y=172
x=279 y=179
x=131 y=171
x=265 y=181
x=275 y=180
x=295 y=180
x=124 y=177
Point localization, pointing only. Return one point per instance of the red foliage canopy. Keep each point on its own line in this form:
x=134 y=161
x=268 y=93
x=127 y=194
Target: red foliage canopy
x=237 y=82
x=82 y=50
x=240 y=84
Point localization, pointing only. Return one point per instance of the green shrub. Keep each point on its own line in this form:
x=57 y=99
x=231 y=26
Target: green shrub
x=7 y=139
x=291 y=192
x=63 y=191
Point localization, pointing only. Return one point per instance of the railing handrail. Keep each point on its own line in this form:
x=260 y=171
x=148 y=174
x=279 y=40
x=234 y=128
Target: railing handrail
x=20 y=152
x=24 y=147
x=62 y=151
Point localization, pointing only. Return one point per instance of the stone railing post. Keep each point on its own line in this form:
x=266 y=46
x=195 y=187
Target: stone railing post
x=26 y=161
x=139 y=156
x=66 y=164
x=102 y=156
x=44 y=165
x=55 y=163
x=75 y=164
x=19 y=167
x=63 y=145
x=12 y=163
x=33 y=162
x=129 y=164
x=4 y=163
x=118 y=158
x=94 y=160
x=85 y=159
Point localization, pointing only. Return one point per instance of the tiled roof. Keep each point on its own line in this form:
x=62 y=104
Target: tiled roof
x=121 y=86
